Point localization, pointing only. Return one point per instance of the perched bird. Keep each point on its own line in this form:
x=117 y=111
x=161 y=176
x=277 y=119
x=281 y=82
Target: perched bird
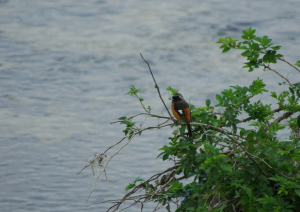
x=181 y=110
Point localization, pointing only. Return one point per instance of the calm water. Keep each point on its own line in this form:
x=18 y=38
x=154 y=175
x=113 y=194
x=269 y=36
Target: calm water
x=66 y=65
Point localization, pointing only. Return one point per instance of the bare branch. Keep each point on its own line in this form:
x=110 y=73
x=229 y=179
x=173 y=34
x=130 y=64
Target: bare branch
x=136 y=188
x=268 y=67
x=148 y=114
x=156 y=86
x=282 y=59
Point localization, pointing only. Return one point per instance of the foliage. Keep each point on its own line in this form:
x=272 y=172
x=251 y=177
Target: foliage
x=238 y=158
x=133 y=184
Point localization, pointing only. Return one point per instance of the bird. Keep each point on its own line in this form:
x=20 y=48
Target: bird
x=181 y=110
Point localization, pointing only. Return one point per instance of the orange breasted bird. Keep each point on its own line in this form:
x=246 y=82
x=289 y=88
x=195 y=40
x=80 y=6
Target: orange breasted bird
x=181 y=110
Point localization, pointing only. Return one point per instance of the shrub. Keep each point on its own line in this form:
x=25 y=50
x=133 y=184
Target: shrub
x=237 y=159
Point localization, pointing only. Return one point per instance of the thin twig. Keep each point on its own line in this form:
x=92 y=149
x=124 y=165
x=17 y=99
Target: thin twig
x=147 y=111
x=148 y=114
x=282 y=59
x=115 y=144
x=136 y=188
x=132 y=136
x=156 y=86
x=268 y=67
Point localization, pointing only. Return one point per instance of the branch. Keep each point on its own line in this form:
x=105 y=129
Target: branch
x=250 y=118
x=104 y=166
x=268 y=67
x=149 y=114
x=284 y=116
x=282 y=59
x=156 y=86
x=136 y=188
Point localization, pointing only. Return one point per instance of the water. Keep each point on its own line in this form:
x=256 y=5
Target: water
x=66 y=65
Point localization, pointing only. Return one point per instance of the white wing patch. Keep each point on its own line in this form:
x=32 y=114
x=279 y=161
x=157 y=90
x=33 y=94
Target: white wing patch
x=180 y=112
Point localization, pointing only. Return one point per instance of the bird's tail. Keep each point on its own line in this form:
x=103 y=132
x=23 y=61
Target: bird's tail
x=189 y=129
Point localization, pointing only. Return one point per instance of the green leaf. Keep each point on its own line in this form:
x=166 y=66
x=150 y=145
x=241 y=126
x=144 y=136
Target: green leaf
x=219 y=98
x=133 y=91
x=265 y=40
x=234 y=128
x=207 y=102
x=168 y=208
x=215 y=123
x=173 y=91
x=223 y=46
x=275 y=47
x=255 y=47
x=258 y=39
x=297 y=192
x=273 y=94
x=243 y=47
x=246 y=53
x=249 y=192
x=297 y=63
x=245 y=37
x=160 y=154
x=226 y=49
x=182 y=129
x=298 y=121
x=166 y=156
x=130 y=186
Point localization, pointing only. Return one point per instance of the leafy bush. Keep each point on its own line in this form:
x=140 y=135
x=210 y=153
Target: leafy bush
x=232 y=163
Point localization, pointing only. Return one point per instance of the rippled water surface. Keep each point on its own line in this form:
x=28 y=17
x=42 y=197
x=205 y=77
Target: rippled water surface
x=66 y=65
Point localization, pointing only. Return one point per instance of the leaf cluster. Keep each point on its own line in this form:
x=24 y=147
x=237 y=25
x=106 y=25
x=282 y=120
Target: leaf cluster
x=259 y=51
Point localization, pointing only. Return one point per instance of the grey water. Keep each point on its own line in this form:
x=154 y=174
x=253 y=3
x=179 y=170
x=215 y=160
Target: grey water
x=65 y=67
